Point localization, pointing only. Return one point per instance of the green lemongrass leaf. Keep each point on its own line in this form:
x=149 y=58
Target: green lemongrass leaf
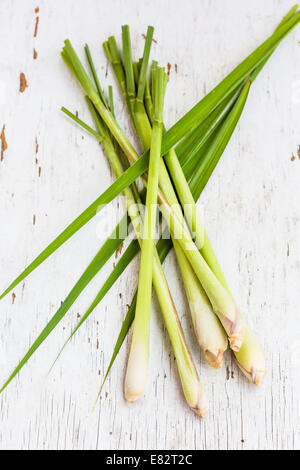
x=289 y=15
x=120 y=267
x=188 y=147
x=219 y=143
x=103 y=255
x=94 y=73
x=190 y=160
x=82 y=123
x=201 y=110
x=109 y=195
x=284 y=20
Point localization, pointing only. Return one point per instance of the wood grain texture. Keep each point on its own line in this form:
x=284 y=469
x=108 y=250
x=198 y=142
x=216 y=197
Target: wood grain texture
x=51 y=171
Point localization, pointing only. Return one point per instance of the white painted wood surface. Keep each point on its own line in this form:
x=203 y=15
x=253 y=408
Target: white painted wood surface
x=251 y=208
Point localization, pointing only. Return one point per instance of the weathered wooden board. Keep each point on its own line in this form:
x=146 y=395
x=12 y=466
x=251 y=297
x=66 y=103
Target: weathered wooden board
x=51 y=171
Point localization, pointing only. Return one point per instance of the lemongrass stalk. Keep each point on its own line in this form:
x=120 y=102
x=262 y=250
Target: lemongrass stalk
x=115 y=60
x=136 y=103
x=136 y=374
x=128 y=66
x=187 y=201
x=142 y=122
x=144 y=64
x=209 y=332
x=94 y=73
x=192 y=387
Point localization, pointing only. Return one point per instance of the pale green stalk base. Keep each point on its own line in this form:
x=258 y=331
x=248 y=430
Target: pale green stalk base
x=137 y=366
x=139 y=351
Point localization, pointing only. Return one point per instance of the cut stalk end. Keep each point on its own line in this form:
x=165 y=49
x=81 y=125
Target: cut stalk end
x=201 y=406
x=250 y=359
x=236 y=341
x=214 y=358
x=234 y=324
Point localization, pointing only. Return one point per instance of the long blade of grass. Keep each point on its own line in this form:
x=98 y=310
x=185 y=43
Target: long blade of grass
x=94 y=73
x=231 y=82
x=114 y=190
x=103 y=255
x=82 y=124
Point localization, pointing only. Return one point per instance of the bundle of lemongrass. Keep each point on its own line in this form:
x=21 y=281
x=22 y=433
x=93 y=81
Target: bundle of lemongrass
x=174 y=169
